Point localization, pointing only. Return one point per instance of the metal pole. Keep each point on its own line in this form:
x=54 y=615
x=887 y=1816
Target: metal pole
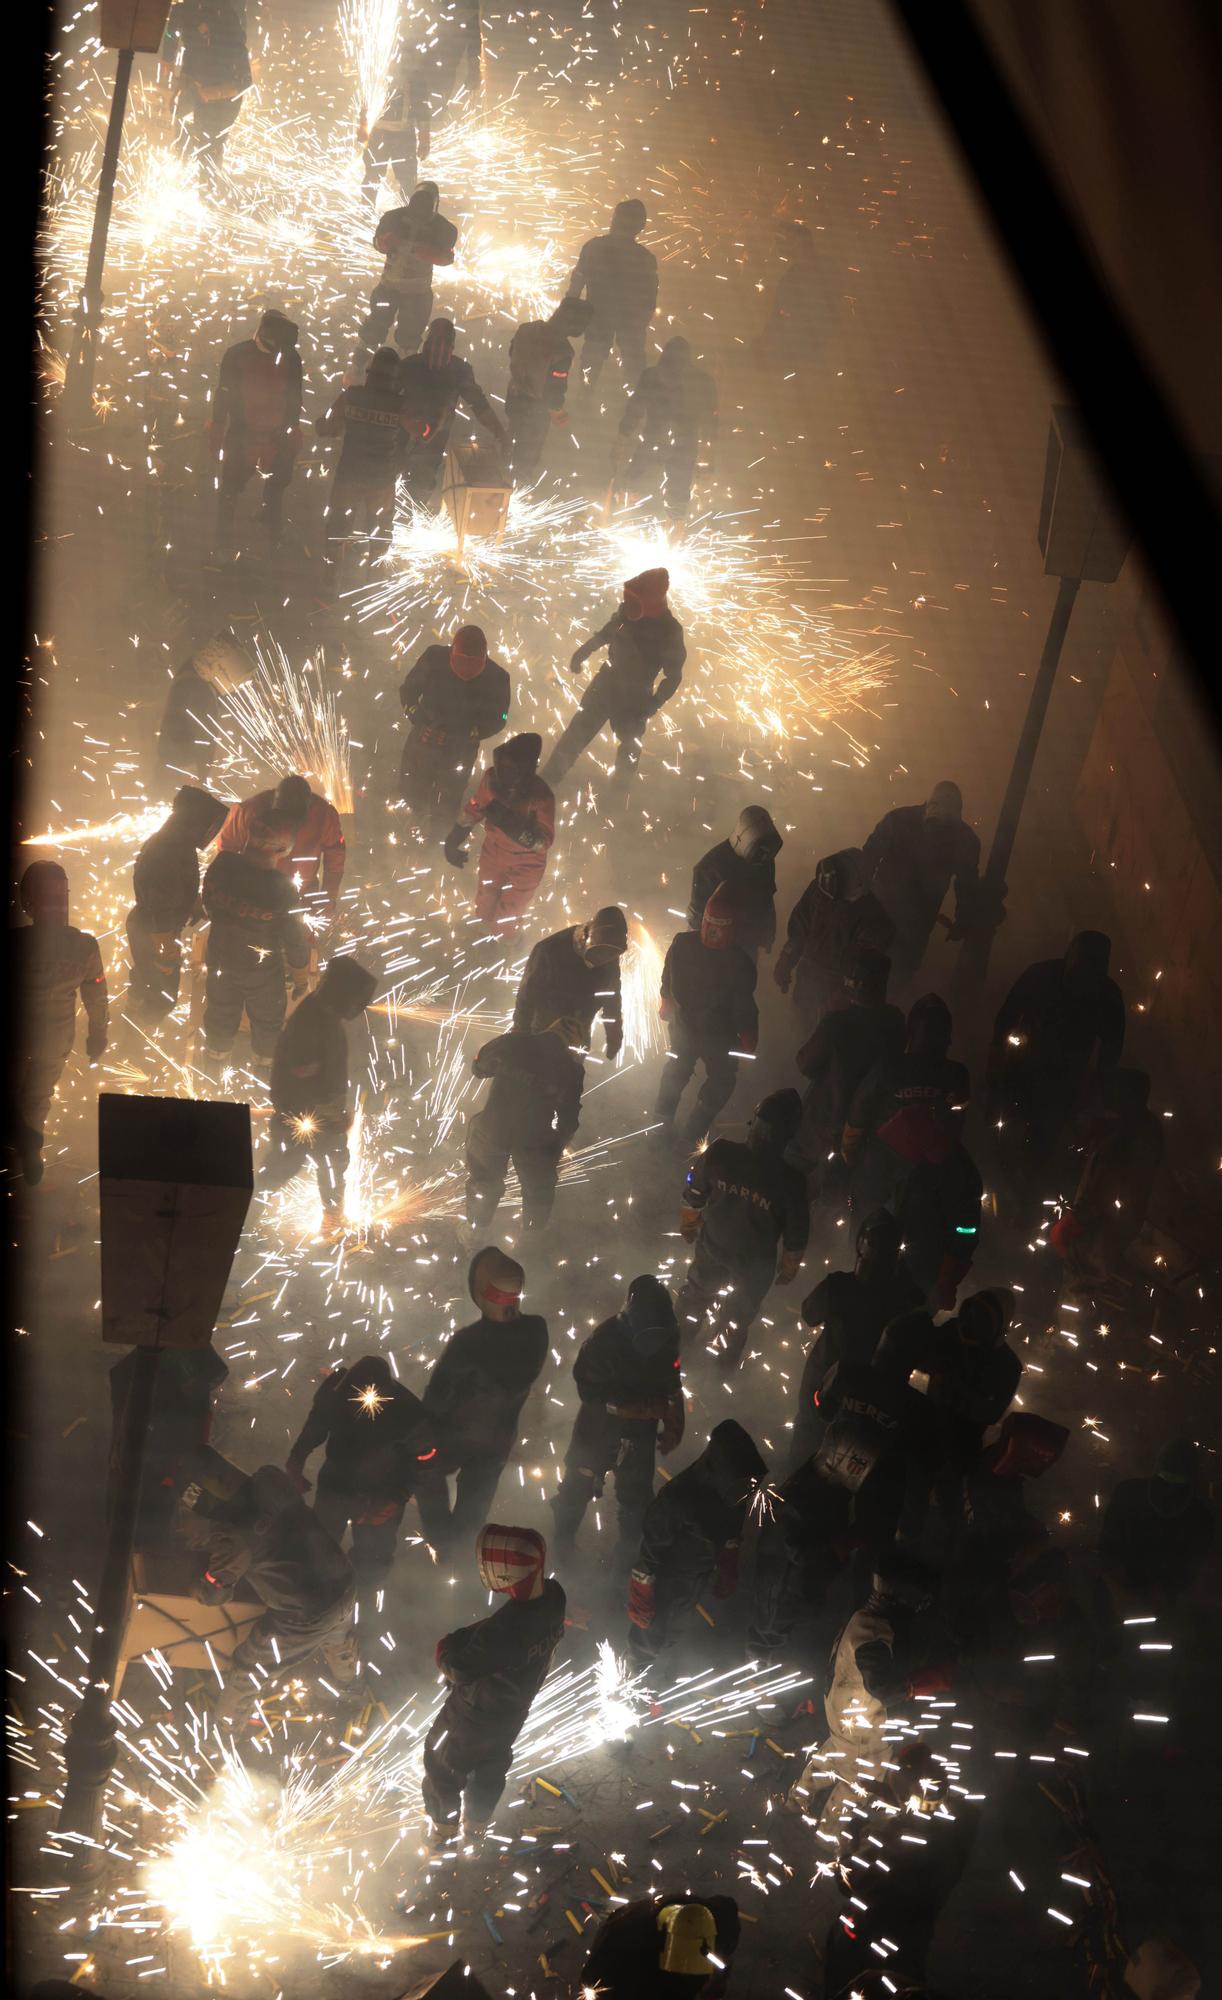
x=974 y=958
x=78 y=382
x=89 y=1754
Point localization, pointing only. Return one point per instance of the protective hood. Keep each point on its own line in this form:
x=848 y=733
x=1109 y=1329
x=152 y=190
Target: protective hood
x=468 y=652
x=866 y=977
x=649 y=1317
x=842 y=876
x=755 y=837
x=775 y=1122
x=200 y=816
x=1087 y=960
x=43 y=891
x=372 y=1371
x=1177 y=1462
x=518 y=759
x=384 y=365
x=929 y=1026
x=878 y=1239
x=1026 y=1447
x=512 y=1560
x=903 y=1584
x=732 y=1464
x=347 y=987
x=425 y=199
x=645 y=595
x=605 y=937
x=676 y=354
x=945 y=803
x=438 y=348
x=628 y=218
x=494 y=1278
x=688 y=1934
x=985 y=1318
x=720 y=919
x=277 y=332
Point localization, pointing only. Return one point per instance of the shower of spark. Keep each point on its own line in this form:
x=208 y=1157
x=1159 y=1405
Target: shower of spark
x=287 y=720
x=621 y=1706
x=640 y=986
x=131 y=827
x=369 y=30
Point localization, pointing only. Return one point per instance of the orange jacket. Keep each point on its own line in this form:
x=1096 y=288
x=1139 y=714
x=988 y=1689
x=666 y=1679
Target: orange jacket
x=320 y=838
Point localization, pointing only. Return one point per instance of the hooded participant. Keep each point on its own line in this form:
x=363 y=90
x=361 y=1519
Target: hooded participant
x=670 y=419
x=309 y=1085
x=976 y=1374
x=494 y=1670
x=832 y=923
x=663 y=1947
x=849 y=1311
x=574 y=975
x=518 y=814
x=380 y=1447
x=745 y=1209
x=645 y=655
x=316 y=855
x=434 y=383
x=413 y=240
x=908 y=1110
x=619 y=277
x=911 y=859
x=527 y=1119
x=370 y=422
x=540 y=360
x=1157 y=1532
x=454 y=698
x=475 y=1394
x=690 y=1540
x=630 y=1387
x=256 y=941
x=192 y=730
x=165 y=882
x=708 y=1004
x=849 y=1044
x=745 y=865
x=53 y=963
x=256 y=421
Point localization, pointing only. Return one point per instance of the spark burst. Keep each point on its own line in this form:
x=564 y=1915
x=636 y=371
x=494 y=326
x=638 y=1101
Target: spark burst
x=287 y=720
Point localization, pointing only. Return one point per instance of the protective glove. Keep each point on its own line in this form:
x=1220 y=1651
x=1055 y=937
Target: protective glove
x=931 y=1680
x=578 y=660
x=789 y=1266
x=727 y=1571
x=454 y=846
x=951 y=1274
x=210 y=1589
x=96 y=1045
x=1065 y=1230
x=297 y=1476
x=377 y=1517
x=673 y=1425
x=642 y=1599
x=782 y=975
x=689 y=1224
x=748 y=1041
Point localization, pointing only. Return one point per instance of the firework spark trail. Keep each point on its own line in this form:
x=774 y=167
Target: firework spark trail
x=369 y=31
x=287 y=720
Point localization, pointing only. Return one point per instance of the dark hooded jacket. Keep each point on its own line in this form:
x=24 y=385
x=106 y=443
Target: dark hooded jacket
x=1060 y=1029
x=480 y=1382
x=703 y=1507
x=610 y=1369
x=644 y=661
x=850 y=1312
x=376 y=1452
x=558 y=985
x=824 y=937
x=281 y=1551
x=751 y=883
x=165 y=879
x=458 y=713
x=251 y=913
x=495 y=1668
x=848 y=1045
x=911 y=862
x=535 y=1094
x=751 y=1201
x=711 y=990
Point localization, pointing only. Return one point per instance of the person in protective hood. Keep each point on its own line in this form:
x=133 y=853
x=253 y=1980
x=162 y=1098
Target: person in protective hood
x=908 y=1111
x=975 y=1374
x=205 y=48
x=265 y=1542
x=1157 y=1532
x=833 y=921
x=475 y=1395
x=454 y=697
x=805 y=1539
x=494 y=1670
x=1122 y=1153
x=518 y=814
x=848 y=1045
x=574 y=975
x=412 y=239
x=433 y=384
x=165 y=883
x=886 y=1656
x=662 y=1947
x=540 y=360
x=708 y=1004
x=745 y=865
x=381 y=1447
x=911 y=859
x=255 y=940
x=742 y=1205
x=529 y=1115
x=690 y=1540
x=255 y=425
x=848 y=1311
x=53 y=962
x=645 y=655
x=1060 y=1026
x=619 y=277
x=670 y=419
x=630 y=1384
x=369 y=419
x=309 y=1085
x=193 y=721
x=937 y=1205
x=317 y=845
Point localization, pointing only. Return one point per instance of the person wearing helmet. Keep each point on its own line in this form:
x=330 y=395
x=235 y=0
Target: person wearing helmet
x=165 y=883
x=309 y=1086
x=527 y=1119
x=885 y=1657
x=848 y=1045
x=631 y=1400
x=52 y=963
x=370 y=422
x=205 y=50
x=193 y=731
x=975 y=1375
x=381 y=1446
x=412 y=240
x=708 y=1004
x=454 y=698
x=744 y=1207
x=668 y=1944
x=255 y=426
x=911 y=859
x=1157 y=1532
x=1122 y=1154
x=690 y=1540
x=540 y=360
x=848 y=1311
x=317 y=843
x=833 y=921
x=1059 y=1031
x=433 y=383
x=745 y=865
x=670 y=418
x=574 y=975
x=255 y=939
x=475 y=1395
x=518 y=814
x=263 y=1542
x=619 y=277
x=494 y=1669
x=645 y=655
x=908 y=1110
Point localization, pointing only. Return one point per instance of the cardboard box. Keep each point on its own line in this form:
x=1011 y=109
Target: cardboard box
x=476 y=492
x=163 y=1617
